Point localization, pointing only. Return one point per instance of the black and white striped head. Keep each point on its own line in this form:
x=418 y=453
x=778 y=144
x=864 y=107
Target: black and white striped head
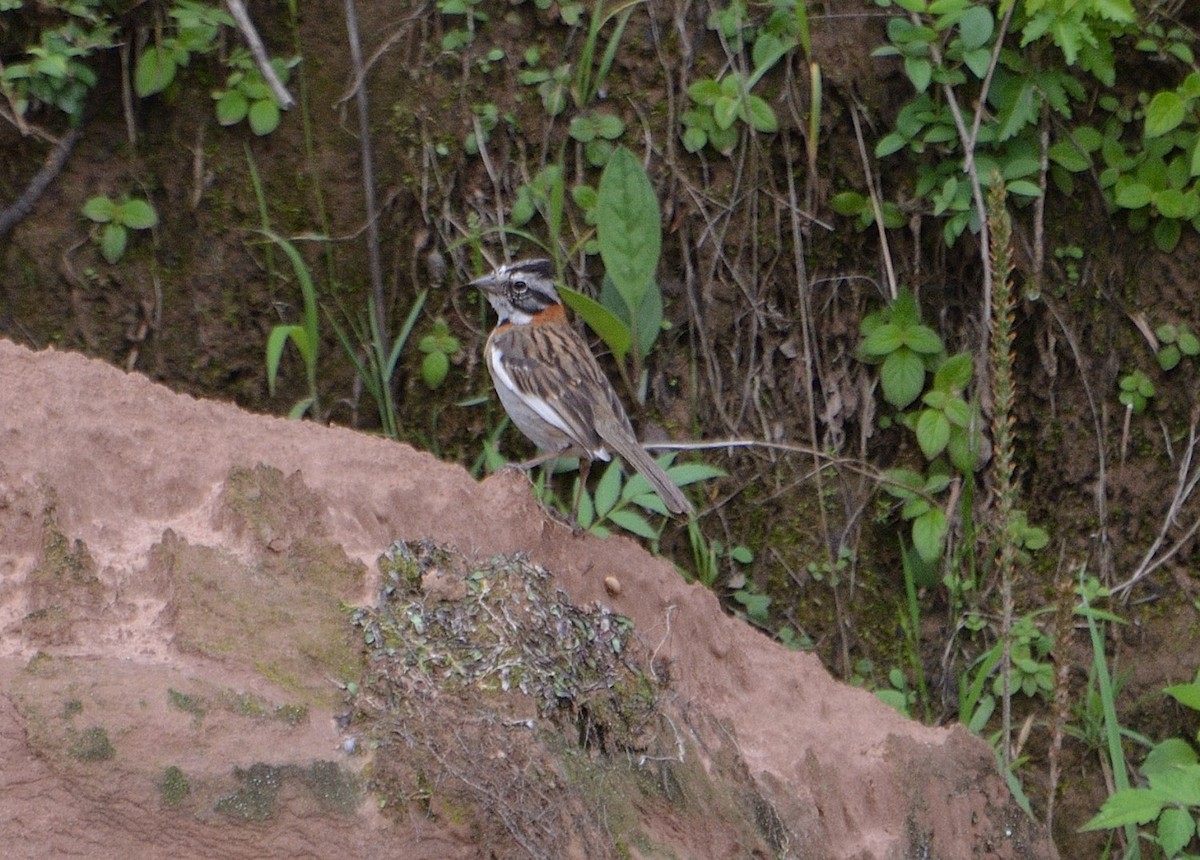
x=521 y=290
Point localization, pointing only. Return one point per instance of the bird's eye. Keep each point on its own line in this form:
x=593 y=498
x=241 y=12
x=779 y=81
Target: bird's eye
x=519 y=287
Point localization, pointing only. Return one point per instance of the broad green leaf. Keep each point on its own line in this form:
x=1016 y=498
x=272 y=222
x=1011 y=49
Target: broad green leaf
x=705 y=92
x=902 y=377
x=112 y=242
x=933 y=432
x=975 y=27
x=1178 y=784
x=1067 y=155
x=761 y=116
x=848 y=203
x=138 y=215
x=883 y=340
x=902 y=483
x=100 y=209
x=608 y=490
x=1164 y=113
x=1176 y=827
x=958 y=412
x=955 y=373
x=232 y=107
x=434 y=368
x=929 y=534
x=1172 y=752
x=919 y=71
x=264 y=117
x=1128 y=806
x=628 y=226
x=1188 y=343
x=154 y=71
x=1187 y=695
x=1166 y=234
x=1131 y=194
x=600 y=319
x=963 y=449
x=725 y=111
x=922 y=339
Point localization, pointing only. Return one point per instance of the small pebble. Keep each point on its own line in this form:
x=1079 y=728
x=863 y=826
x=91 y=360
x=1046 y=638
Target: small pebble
x=612 y=585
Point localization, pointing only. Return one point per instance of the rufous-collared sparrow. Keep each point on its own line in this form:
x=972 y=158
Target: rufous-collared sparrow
x=549 y=381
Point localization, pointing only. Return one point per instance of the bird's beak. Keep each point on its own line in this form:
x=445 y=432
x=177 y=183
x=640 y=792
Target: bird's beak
x=487 y=283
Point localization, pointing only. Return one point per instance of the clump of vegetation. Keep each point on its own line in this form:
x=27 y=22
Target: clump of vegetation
x=174 y=786
x=92 y=744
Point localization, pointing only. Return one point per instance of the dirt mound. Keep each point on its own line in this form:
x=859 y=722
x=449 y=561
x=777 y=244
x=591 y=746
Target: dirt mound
x=174 y=577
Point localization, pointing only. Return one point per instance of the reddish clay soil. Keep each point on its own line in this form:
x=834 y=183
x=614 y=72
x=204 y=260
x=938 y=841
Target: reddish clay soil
x=172 y=581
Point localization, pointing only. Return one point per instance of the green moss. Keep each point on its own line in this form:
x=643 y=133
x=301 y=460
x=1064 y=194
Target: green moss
x=255 y=800
x=71 y=708
x=92 y=744
x=193 y=705
x=174 y=786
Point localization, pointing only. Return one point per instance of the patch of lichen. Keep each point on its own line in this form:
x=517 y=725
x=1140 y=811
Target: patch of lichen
x=496 y=704
x=63 y=586
x=332 y=787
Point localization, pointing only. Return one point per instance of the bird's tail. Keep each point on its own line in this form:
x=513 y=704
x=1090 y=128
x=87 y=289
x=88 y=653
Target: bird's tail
x=638 y=457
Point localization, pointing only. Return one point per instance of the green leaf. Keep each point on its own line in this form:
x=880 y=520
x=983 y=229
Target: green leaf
x=264 y=117
x=601 y=320
x=1169 y=357
x=929 y=534
x=919 y=71
x=883 y=340
x=1176 y=827
x=955 y=373
x=1172 y=752
x=1187 y=695
x=1128 y=806
x=112 y=242
x=933 y=432
x=1188 y=343
x=1131 y=194
x=922 y=339
x=963 y=449
x=154 y=71
x=276 y=341
x=608 y=490
x=686 y=474
x=434 y=369
x=725 y=111
x=100 y=209
x=628 y=226
x=138 y=215
x=761 y=116
x=848 y=203
x=1178 y=784
x=975 y=27
x=902 y=377
x=1166 y=234
x=705 y=92
x=232 y=107
x=634 y=523
x=1164 y=113
x=1067 y=155
x=958 y=412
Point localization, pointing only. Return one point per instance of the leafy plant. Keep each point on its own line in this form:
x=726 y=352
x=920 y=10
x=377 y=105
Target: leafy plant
x=1175 y=341
x=305 y=336
x=596 y=131
x=56 y=73
x=895 y=338
x=438 y=346
x=1136 y=391
x=1171 y=797
x=118 y=219
x=628 y=316
x=625 y=502
x=246 y=94
x=195 y=32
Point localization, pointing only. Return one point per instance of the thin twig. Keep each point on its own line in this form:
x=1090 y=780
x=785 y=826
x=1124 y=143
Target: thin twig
x=246 y=27
x=41 y=180
x=374 y=264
